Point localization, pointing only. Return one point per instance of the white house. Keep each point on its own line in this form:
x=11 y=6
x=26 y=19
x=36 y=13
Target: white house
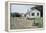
x=33 y=13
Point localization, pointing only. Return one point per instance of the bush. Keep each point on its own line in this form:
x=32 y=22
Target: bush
x=15 y=15
x=39 y=22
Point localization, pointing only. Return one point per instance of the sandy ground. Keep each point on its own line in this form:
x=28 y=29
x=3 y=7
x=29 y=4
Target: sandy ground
x=24 y=23
x=21 y=23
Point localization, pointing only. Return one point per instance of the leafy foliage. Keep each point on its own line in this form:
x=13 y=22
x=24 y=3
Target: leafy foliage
x=15 y=15
x=39 y=22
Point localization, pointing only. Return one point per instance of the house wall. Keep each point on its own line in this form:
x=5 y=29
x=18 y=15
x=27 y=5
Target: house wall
x=35 y=12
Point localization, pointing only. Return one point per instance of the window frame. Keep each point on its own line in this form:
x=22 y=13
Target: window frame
x=33 y=14
x=37 y=14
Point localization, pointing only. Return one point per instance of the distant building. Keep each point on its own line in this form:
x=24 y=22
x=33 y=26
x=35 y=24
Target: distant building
x=33 y=13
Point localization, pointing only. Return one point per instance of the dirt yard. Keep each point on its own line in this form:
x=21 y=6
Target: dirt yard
x=21 y=22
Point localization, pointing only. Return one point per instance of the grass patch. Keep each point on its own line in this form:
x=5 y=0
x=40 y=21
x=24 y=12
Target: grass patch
x=39 y=22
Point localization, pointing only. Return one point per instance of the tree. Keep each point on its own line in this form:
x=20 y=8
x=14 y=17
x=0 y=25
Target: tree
x=15 y=15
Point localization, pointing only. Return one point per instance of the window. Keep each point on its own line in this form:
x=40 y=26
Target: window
x=37 y=14
x=33 y=14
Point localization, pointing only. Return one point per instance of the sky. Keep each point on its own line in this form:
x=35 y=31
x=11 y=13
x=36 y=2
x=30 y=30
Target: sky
x=20 y=8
